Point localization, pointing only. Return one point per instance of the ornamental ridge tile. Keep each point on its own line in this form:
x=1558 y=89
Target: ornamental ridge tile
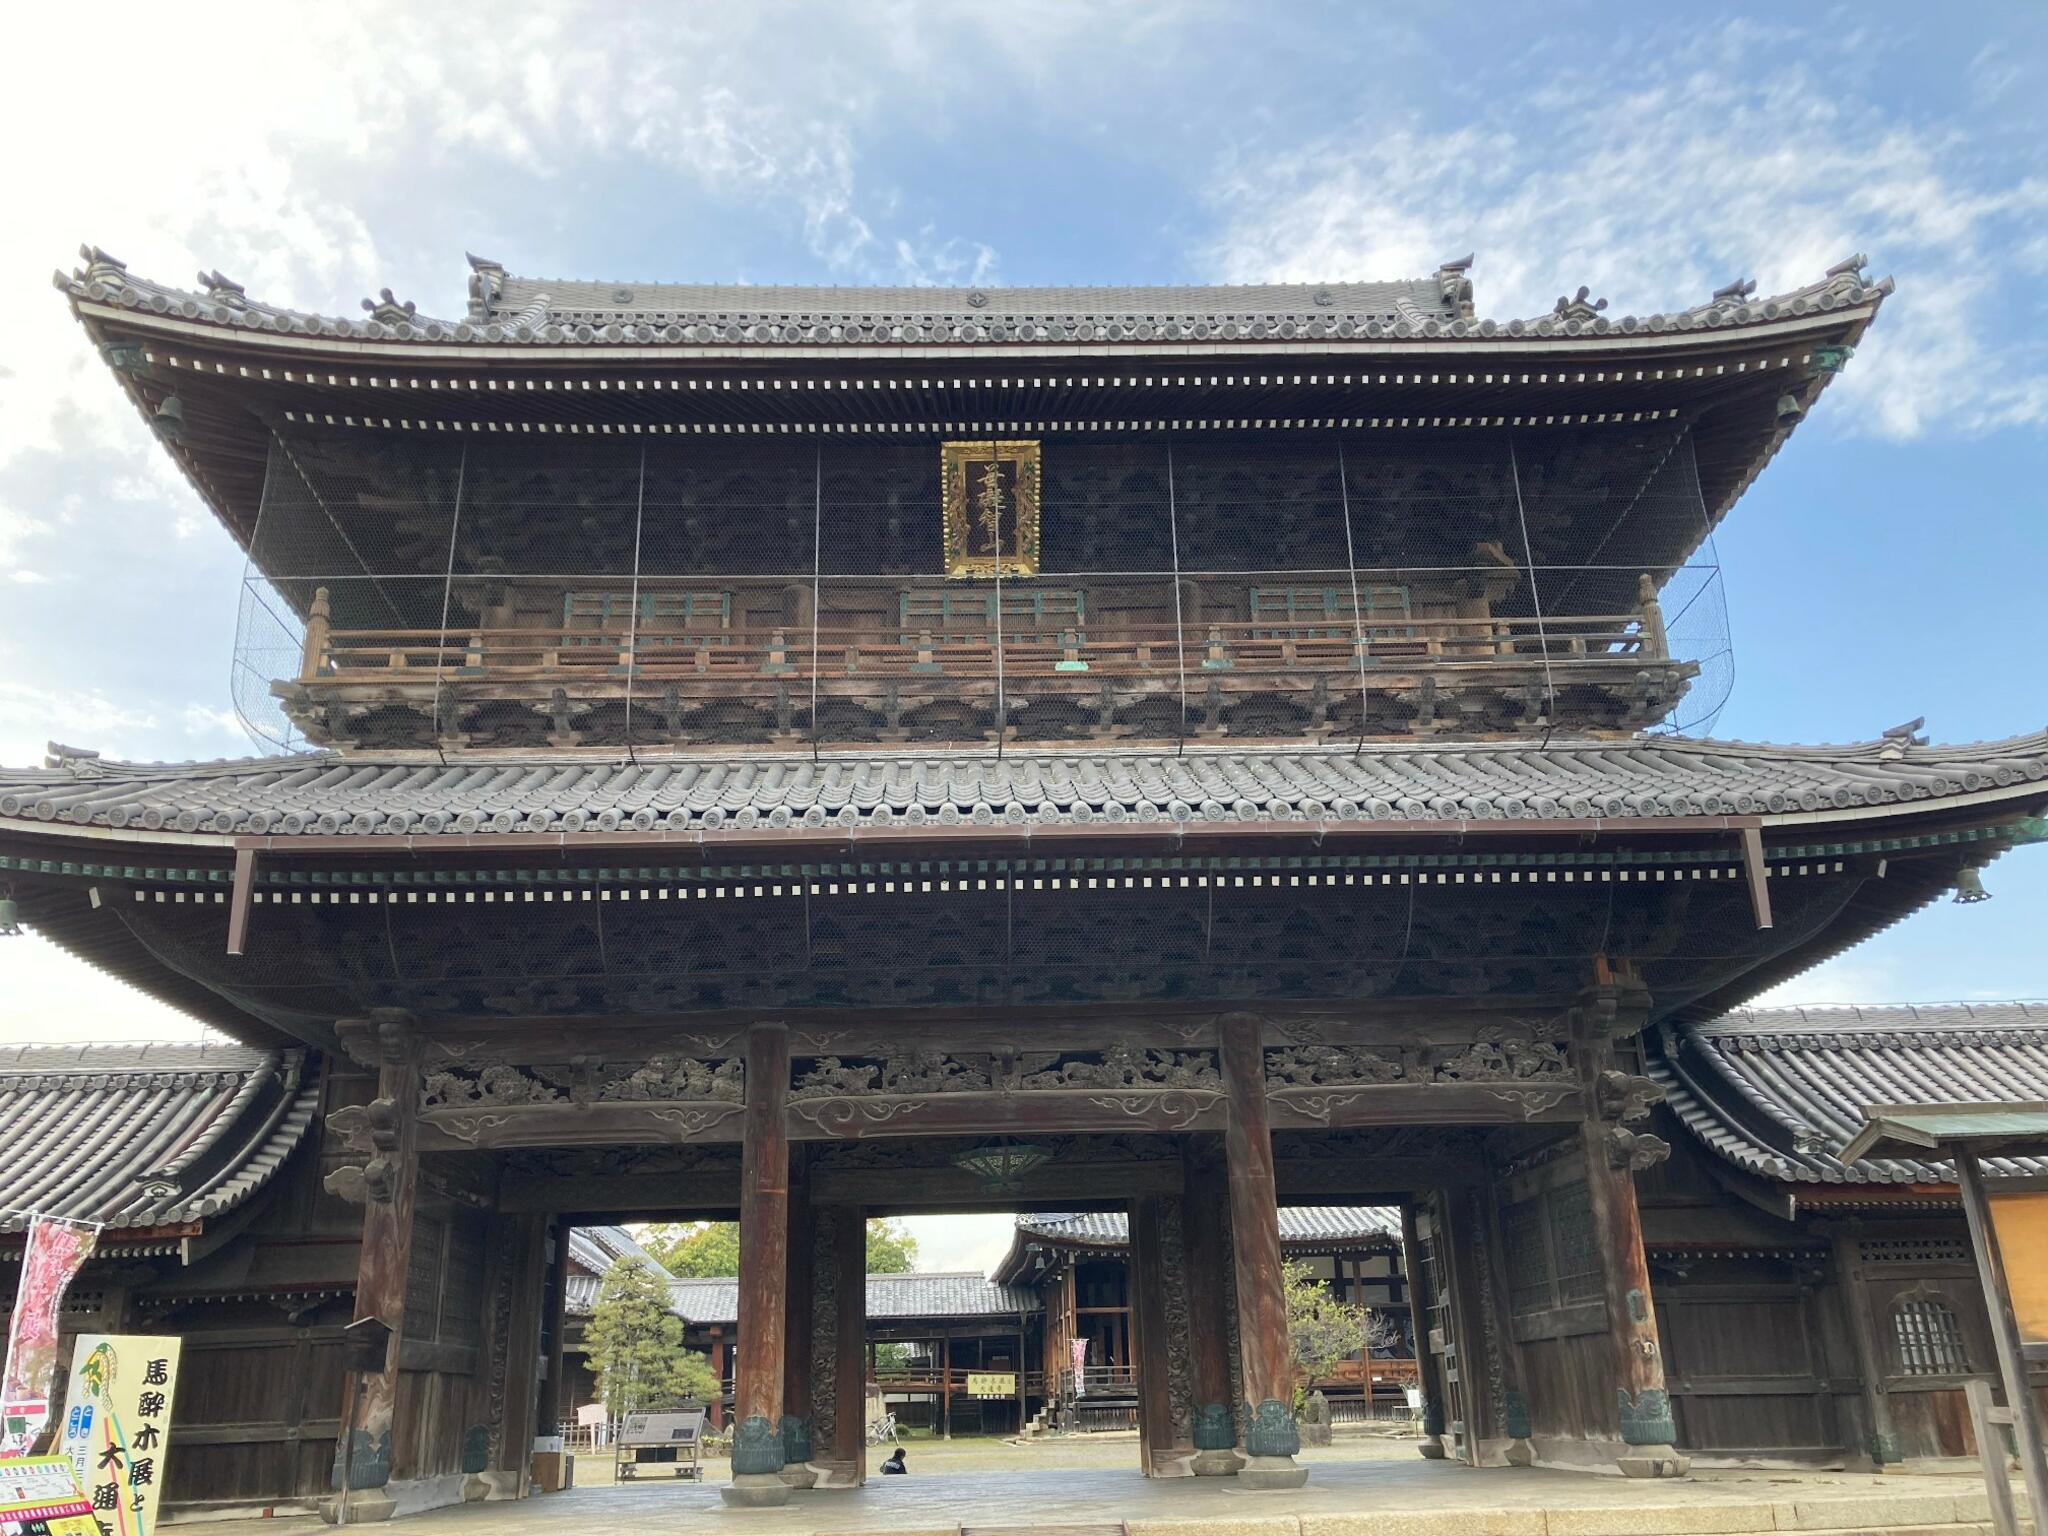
x=519 y=312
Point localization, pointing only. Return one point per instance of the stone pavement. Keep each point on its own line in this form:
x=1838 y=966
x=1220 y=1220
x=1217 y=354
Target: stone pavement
x=1343 y=1498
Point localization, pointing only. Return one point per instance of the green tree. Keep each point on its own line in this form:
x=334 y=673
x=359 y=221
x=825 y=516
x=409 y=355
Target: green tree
x=698 y=1249
x=636 y=1344
x=1321 y=1330
x=695 y=1249
x=891 y=1248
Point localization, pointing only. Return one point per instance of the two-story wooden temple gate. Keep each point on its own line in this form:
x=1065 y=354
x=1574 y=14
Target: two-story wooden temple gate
x=797 y=753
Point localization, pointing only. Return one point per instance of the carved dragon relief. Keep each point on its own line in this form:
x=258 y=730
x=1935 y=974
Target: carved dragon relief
x=587 y=1080
x=1319 y=1066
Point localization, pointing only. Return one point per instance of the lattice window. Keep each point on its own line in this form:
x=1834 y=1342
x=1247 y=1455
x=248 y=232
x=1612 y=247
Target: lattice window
x=1914 y=1250
x=1529 y=1279
x=1327 y=613
x=1929 y=1337
x=1579 y=1274
x=1553 y=1257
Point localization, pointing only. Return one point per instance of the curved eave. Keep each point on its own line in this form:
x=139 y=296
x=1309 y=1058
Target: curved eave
x=224 y=460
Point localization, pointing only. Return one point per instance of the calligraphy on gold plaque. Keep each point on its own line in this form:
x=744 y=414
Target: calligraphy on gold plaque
x=991 y=508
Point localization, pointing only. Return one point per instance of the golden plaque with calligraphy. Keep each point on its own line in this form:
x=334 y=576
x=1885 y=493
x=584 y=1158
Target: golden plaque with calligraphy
x=991 y=519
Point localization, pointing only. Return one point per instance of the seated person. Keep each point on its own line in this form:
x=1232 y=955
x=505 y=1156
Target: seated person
x=894 y=1465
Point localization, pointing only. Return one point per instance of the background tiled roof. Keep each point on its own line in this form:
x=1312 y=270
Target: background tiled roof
x=964 y=1294
x=1300 y=1225
x=145 y=1135
x=1777 y=1091
x=419 y=794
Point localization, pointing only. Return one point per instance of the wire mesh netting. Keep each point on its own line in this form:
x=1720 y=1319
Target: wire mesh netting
x=828 y=593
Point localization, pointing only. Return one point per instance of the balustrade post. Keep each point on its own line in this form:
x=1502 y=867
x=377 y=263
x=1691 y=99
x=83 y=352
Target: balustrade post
x=318 y=620
x=1656 y=643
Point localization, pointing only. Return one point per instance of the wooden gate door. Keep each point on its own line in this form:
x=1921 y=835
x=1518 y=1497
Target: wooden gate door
x=1443 y=1332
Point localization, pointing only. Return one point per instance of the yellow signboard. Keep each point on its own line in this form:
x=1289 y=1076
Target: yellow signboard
x=991 y=1383
x=117 y=1425
x=2021 y=1220
x=44 y=1488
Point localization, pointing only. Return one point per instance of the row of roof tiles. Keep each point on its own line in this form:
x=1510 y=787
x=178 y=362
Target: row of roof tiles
x=413 y=794
x=154 y=1135
x=1300 y=1226
x=1778 y=1091
x=517 y=311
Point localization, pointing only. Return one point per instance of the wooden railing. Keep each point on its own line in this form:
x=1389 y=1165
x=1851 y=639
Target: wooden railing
x=737 y=655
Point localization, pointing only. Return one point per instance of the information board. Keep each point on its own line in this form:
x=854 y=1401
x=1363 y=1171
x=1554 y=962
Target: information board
x=991 y=1383
x=117 y=1425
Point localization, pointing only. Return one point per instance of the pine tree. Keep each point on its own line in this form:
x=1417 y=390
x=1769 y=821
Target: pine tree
x=636 y=1345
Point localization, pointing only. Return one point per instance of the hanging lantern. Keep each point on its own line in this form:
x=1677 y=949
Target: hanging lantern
x=1002 y=1163
x=10 y=914
x=1970 y=888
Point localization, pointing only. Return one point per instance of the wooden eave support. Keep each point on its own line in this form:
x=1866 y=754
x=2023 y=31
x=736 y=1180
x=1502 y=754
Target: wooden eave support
x=239 y=900
x=1758 y=874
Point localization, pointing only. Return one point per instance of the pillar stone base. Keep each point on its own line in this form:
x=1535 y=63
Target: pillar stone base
x=1271 y=1472
x=1432 y=1447
x=364 y=1506
x=1520 y=1453
x=1215 y=1463
x=756 y=1490
x=1654 y=1461
x=799 y=1474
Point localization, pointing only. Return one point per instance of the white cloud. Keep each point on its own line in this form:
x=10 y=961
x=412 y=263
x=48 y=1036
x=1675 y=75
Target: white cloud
x=977 y=1242
x=32 y=716
x=1716 y=159
x=49 y=998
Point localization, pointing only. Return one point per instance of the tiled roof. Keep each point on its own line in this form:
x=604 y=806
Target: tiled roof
x=965 y=1294
x=147 y=1135
x=518 y=312
x=419 y=794
x=1777 y=1091
x=1300 y=1225
x=714 y=1300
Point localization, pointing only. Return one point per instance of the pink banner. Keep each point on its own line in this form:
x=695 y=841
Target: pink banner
x=57 y=1249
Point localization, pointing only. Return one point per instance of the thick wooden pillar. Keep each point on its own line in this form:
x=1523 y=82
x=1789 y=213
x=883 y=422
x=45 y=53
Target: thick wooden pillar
x=797 y=1406
x=388 y=1129
x=1428 y=1369
x=1159 y=1335
x=839 y=1360
x=1644 y=1408
x=1213 y=1427
x=764 y=1263
x=1614 y=1154
x=1272 y=1438
x=524 y=1305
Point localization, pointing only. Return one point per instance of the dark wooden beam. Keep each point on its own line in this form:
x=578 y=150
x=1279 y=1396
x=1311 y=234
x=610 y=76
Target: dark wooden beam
x=1214 y=1429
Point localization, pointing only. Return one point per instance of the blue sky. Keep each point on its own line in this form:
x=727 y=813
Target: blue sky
x=1888 y=565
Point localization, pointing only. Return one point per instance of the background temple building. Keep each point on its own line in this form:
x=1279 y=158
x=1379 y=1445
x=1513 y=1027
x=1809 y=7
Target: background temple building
x=1178 y=753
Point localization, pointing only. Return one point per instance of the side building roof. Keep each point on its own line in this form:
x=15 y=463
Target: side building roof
x=899 y=1298
x=1303 y=1229
x=1778 y=1092
x=146 y=1137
